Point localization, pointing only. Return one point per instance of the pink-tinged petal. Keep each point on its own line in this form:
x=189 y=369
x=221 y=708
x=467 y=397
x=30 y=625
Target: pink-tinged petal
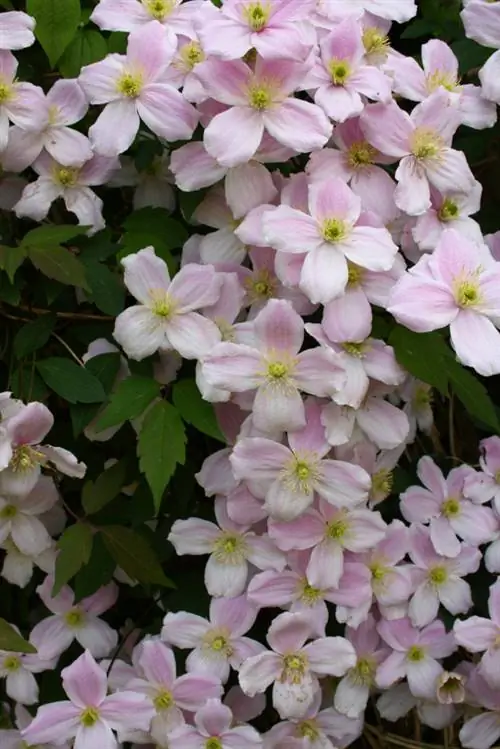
x=391 y=670
x=476 y=342
x=127 y=710
x=237 y=614
x=191 y=691
x=213 y=719
x=324 y=274
x=223 y=578
x=195 y=286
x=409 y=80
x=233 y=367
x=166 y=112
x=208 y=663
x=22 y=149
x=140 y=332
x=326 y=565
x=371 y=82
x=437 y=56
x=370 y=248
x=494 y=603
x=193 y=536
x=451 y=172
x=37 y=198
x=351 y=698
x=281 y=43
x=422 y=677
x=488 y=76
x=443 y=537
x=192 y=335
x=339 y=103
x=289 y=230
x=150 y=49
x=68 y=147
x=194 y=168
x=482 y=731
x=302 y=533
x=432 y=477
x=120 y=15
x=99 y=734
x=226 y=82
x=247 y=187
x=348 y=318
x=339 y=423
x=234 y=136
x=87 y=207
x=53 y=722
x=285 y=502
x=278 y=408
x=145 y=273
x=298 y=124
x=387 y=128
x=330 y=656
x=422 y=304
x=157 y=662
x=16 y=30
x=184 y=630
x=273 y=589
x=489 y=667
x=333 y=199
x=30 y=425
x=258 y=673
x=455 y=596
x=263 y=554
x=289 y=632
x=71 y=102
x=243 y=648
x=293 y=700
x=424 y=605
x=84 y=682
x=279 y=328
x=99 y=80
x=412 y=194
x=344 y=42
x=376 y=190
x=383 y=423
x=258 y=458
x=342 y=484
x=29 y=535
x=475 y=634
x=115 y=128
x=476 y=525
x=312 y=437
x=97 y=637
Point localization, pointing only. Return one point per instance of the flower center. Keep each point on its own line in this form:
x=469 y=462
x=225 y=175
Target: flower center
x=229 y=549
x=382 y=482
x=309 y=595
x=449 y=210
x=161 y=303
x=163 y=700
x=441 y=79
x=8 y=512
x=213 y=743
x=450 y=508
x=12 y=663
x=192 y=54
x=256 y=15
x=307 y=730
x=422 y=397
x=355 y=348
x=74 y=618
x=130 y=85
x=467 y=293
x=360 y=154
x=277 y=370
x=262 y=285
x=294 y=668
x=415 y=654
x=333 y=230
x=218 y=641
x=374 y=41
x=66 y=176
x=89 y=717
x=438 y=575
x=337 y=529
x=260 y=97
x=6 y=92
x=363 y=673
x=339 y=70
x=425 y=143
x=25 y=458
x=159 y=9
x=378 y=572
x=355 y=275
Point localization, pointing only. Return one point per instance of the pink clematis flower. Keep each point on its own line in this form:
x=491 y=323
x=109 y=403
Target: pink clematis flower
x=16 y=30
x=415 y=655
x=481 y=19
x=128 y=15
x=293 y=667
x=70 y=621
x=330 y=236
x=260 y=101
x=438 y=579
x=449 y=211
x=72 y=184
x=230 y=546
x=483 y=730
x=133 y=89
x=12 y=739
x=392 y=10
x=480 y=635
x=379 y=464
x=341 y=77
x=90 y=717
x=275 y=369
x=165 y=318
x=214 y=727
x=218 y=644
x=443 y=506
x=456 y=286
x=422 y=141
x=19 y=521
x=17 y=669
x=485 y=484
x=20 y=102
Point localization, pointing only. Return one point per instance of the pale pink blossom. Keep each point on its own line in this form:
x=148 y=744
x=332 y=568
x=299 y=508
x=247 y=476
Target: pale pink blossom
x=392 y=10
x=483 y=730
x=481 y=19
x=417 y=396
x=488 y=75
x=128 y=15
x=379 y=464
x=293 y=667
x=17 y=669
x=153 y=185
x=480 y=635
x=449 y=211
x=18 y=568
x=20 y=101
x=19 y=519
x=16 y=30
x=12 y=739
x=214 y=726
x=485 y=484
x=217 y=644
x=133 y=90
x=74 y=621
x=397 y=701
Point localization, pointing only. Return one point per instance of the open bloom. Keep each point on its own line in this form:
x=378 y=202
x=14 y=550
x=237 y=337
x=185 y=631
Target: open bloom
x=214 y=727
x=132 y=88
x=165 y=318
x=19 y=102
x=456 y=286
x=19 y=521
x=129 y=15
x=16 y=30
x=331 y=235
x=451 y=210
x=260 y=101
x=482 y=731
x=90 y=717
x=292 y=666
x=480 y=635
x=17 y=669
x=485 y=484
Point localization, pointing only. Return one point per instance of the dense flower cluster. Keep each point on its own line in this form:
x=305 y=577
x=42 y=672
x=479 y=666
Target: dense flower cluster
x=316 y=413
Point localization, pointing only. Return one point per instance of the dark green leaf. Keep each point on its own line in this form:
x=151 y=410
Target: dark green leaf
x=56 y=24
x=81 y=415
x=161 y=446
x=474 y=396
x=134 y=555
x=88 y=46
x=34 y=335
x=75 y=546
x=10 y=292
x=106 y=288
x=10 y=259
x=117 y=42
x=107 y=486
x=98 y=572
x=156 y=222
x=50 y=235
x=130 y=399
x=60 y=264
x=11 y=641
x=417 y=29
x=422 y=354
x=196 y=411
x=27 y=385
x=73 y=383
x=105 y=367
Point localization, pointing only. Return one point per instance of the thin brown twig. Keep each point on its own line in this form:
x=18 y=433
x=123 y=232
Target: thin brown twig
x=68 y=348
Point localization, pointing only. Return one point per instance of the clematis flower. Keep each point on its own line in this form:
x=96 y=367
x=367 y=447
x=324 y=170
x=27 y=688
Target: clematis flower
x=230 y=546
x=72 y=184
x=482 y=731
x=19 y=101
x=481 y=19
x=129 y=15
x=330 y=236
x=17 y=669
x=165 y=318
x=378 y=464
x=70 y=621
x=16 y=30
x=449 y=211
x=132 y=88
x=260 y=101
x=219 y=643
x=214 y=728
x=275 y=369
x=18 y=567
x=480 y=635
x=293 y=667
x=89 y=716
x=393 y=10
x=485 y=485
x=12 y=739
x=422 y=141
x=19 y=521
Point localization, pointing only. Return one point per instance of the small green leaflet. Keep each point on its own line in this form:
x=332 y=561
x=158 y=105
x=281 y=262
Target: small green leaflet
x=56 y=24
x=75 y=546
x=73 y=383
x=130 y=399
x=60 y=264
x=87 y=46
x=11 y=258
x=134 y=555
x=33 y=335
x=50 y=235
x=97 y=494
x=194 y=410
x=11 y=641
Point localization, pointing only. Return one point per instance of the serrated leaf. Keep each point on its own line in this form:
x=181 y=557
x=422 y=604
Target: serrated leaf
x=11 y=641
x=97 y=494
x=56 y=24
x=33 y=335
x=196 y=411
x=50 y=235
x=105 y=367
x=422 y=354
x=87 y=46
x=106 y=288
x=10 y=259
x=73 y=383
x=134 y=555
x=161 y=446
x=130 y=399
x=74 y=545
x=60 y=264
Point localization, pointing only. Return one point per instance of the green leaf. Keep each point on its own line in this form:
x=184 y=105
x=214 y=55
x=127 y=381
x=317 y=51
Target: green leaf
x=81 y=415
x=97 y=494
x=105 y=367
x=130 y=399
x=117 y=42
x=98 y=572
x=474 y=396
x=422 y=354
x=33 y=335
x=157 y=222
x=56 y=24
x=106 y=288
x=88 y=46
x=74 y=546
x=73 y=383
x=161 y=446
x=60 y=264
x=10 y=259
x=196 y=411
x=11 y=641
x=417 y=29
x=50 y=235
x=134 y=555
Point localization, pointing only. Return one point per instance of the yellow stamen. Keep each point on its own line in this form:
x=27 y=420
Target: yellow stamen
x=66 y=176
x=450 y=508
x=334 y=230
x=130 y=85
x=159 y=9
x=340 y=71
x=361 y=154
x=257 y=15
